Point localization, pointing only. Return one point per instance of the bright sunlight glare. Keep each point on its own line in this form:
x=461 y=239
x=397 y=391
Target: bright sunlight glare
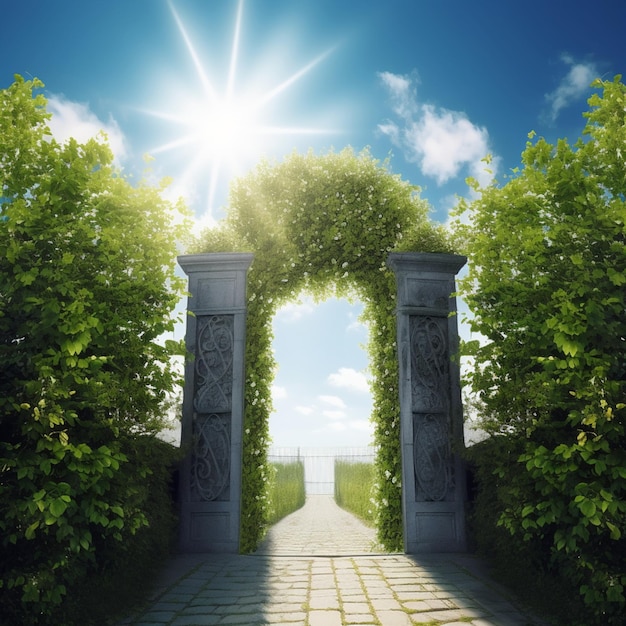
x=223 y=131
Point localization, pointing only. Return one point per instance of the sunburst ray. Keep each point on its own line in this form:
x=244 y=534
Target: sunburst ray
x=224 y=129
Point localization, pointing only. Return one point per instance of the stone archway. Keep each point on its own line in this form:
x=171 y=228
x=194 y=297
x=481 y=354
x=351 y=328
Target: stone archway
x=431 y=428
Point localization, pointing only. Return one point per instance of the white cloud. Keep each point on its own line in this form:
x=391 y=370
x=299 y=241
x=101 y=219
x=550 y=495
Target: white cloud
x=440 y=141
x=74 y=119
x=335 y=401
x=361 y=425
x=278 y=392
x=334 y=415
x=402 y=92
x=349 y=378
x=392 y=131
x=353 y=429
x=294 y=311
x=356 y=325
x=304 y=410
x=572 y=87
x=342 y=425
x=444 y=141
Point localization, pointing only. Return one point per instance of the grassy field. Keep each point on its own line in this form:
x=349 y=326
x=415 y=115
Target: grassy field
x=287 y=491
x=353 y=489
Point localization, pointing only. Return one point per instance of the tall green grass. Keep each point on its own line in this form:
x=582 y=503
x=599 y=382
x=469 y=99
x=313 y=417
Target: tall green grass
x=286 y=490
x=353 y=489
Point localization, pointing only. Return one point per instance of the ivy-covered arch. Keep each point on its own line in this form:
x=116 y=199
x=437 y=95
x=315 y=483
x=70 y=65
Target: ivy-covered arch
x=324 y=225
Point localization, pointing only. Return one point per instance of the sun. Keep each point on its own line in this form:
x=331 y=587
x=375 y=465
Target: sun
x=220 y=132
x=226 y=128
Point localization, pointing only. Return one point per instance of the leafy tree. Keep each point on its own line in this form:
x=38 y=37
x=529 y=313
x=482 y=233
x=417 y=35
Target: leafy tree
x=87 y=288
x=547 y=289
x=325 y=225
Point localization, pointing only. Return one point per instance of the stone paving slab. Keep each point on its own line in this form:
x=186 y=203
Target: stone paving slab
x=296 y=580
x=321 y=528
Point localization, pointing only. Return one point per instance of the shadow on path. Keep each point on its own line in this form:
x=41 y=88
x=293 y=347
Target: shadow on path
x=319 y=567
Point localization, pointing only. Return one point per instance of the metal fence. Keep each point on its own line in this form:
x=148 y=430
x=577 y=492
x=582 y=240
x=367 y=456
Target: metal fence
x=319 y=463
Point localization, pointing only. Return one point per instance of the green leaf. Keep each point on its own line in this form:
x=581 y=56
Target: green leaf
x=616 y=533
x=617 y=278
x=58 y=507
x=30 y=531
x=587 y=507
x=527 y=510
x=23 y=472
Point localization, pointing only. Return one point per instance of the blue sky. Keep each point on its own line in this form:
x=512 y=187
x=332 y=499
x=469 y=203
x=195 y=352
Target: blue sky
x=208 y=87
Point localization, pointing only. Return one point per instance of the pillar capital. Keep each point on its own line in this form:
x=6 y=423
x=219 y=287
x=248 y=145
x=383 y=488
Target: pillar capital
x=425 y=281
x=431 y=262
x=212 y=262
x=217 y=281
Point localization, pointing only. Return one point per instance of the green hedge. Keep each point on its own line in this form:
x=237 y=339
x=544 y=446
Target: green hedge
x=354 y=489
x=287 y=493
x=526 y=566
x=545 y=288
x=120 y=573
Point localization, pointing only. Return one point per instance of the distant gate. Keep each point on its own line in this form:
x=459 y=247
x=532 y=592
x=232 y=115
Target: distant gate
x=319 y=464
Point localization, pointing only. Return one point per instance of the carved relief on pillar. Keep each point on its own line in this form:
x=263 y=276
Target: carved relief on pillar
x=430 y=371
x=211 y=458
x=429 y=363
x=210 y=467
x=434 y=472
x=214 y=364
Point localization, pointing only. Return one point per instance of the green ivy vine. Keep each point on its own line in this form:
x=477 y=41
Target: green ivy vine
x=323 y=225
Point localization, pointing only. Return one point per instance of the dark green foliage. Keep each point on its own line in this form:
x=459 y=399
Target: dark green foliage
x=124 y=571
x=324 y=225
x=87 y=288
x=520 y=564
x=354 y=489
x=546 y=286
x=287 y=493
x=120 y=570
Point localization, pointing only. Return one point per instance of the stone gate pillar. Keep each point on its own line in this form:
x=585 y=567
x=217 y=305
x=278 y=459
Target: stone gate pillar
x=210 y=474
x=431 y=418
